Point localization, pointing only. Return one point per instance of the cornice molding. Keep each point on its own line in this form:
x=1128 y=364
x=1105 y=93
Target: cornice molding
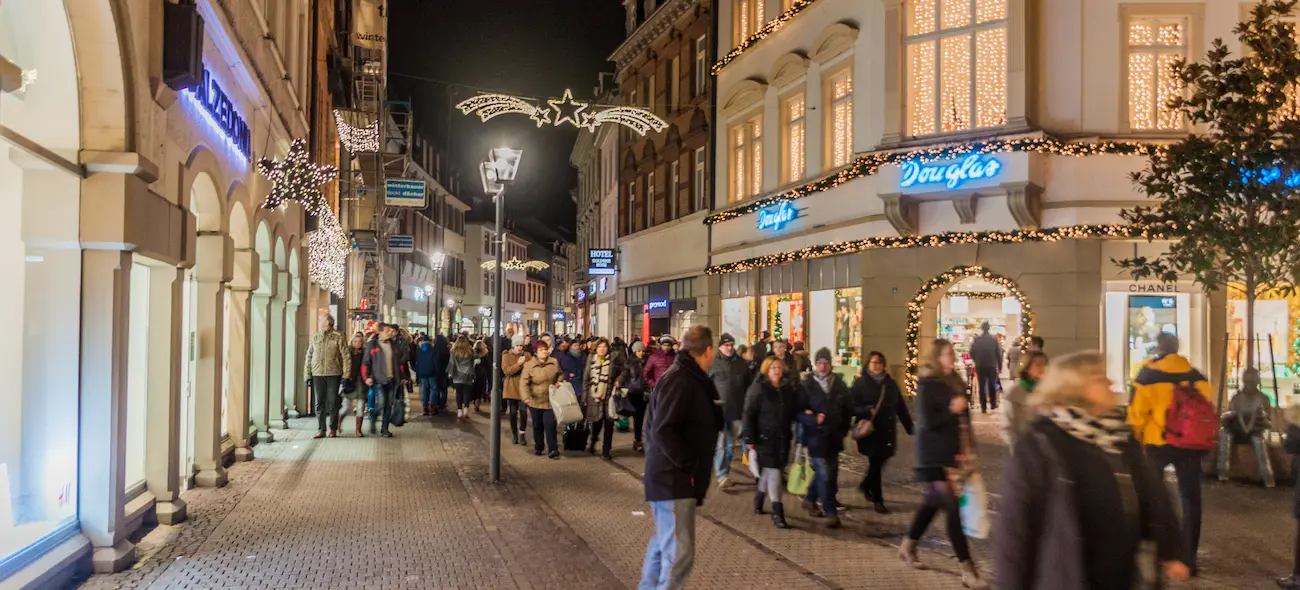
x=641 y=39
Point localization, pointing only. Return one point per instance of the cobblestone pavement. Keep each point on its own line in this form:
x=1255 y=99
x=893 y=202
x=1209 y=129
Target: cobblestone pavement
x=416 y=511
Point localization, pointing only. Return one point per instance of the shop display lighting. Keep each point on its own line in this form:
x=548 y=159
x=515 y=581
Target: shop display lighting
x=917 y=305
x=869 y=164
x=772 y=26
x=1071 y=232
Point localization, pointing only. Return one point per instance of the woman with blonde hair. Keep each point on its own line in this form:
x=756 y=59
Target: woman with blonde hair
x=460 y=371
x=1077 y=467
x=942 y=416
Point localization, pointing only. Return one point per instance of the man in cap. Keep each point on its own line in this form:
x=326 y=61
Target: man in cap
x=730 y=375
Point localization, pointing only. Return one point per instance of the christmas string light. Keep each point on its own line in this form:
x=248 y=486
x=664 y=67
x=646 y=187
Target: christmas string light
x=772 y=26
x=1071 y=232
x=869 y=164
x=516 y=264
x=917 y=305
x=562 y=110
x=357 y=139
x=296 y=179
x=976 y=295
x=327 y=253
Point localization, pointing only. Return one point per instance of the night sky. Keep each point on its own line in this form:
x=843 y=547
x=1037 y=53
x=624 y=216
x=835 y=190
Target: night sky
x=523 y=47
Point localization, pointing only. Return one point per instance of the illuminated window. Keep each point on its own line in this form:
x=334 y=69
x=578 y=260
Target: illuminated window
x=1154 y=44
x=839 y=132
x=793 y=128
x=748 y=18
x=747 y=158
x=956 y=52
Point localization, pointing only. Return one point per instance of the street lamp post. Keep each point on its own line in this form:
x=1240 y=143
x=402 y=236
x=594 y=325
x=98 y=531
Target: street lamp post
x=498 y=173
x=436 y=260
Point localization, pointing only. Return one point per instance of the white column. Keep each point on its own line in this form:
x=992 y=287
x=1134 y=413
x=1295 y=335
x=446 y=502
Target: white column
x=106 y=289
x=259 y=366
x=295 y=389
x=275 y=384
x=240 y=348
x=212 y=273
x=163 y=391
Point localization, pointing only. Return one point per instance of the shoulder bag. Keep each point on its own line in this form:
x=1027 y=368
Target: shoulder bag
x=864 y=427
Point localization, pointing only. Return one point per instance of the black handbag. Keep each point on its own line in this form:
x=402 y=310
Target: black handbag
x=348 y=386
x=622 y=405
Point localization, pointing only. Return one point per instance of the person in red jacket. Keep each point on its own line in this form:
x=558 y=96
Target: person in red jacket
x=659 y=361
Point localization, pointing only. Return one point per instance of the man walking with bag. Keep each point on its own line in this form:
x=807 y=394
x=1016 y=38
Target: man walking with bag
x=328 y=360
x=1165 y=380
x=684 y=419
x=730 y=374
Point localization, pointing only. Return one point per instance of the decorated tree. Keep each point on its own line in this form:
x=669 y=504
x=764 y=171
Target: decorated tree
x=778 y=327
x=1228 y=195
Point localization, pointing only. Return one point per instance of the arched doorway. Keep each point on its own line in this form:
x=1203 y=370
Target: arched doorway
x=238 y=338
x=41 y=261
x=260 y=333
x=995 y=299
x=295 y=398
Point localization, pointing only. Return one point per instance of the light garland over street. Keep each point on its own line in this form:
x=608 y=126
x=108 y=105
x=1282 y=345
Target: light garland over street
x=516 y=264
x=562 y=110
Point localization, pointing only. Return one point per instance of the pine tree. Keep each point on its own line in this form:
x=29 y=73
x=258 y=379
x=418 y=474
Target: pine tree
x=778 y=327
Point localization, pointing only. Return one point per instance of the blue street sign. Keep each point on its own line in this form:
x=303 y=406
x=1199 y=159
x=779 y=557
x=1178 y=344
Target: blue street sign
x=401 y=192
x=401 y=244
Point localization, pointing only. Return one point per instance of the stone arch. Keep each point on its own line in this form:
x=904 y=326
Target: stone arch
x=922 y=301
x=788 y=68
x=745 y=94
x=104 y=67
x=834 y=40
x=238 y=227
x=259 y=330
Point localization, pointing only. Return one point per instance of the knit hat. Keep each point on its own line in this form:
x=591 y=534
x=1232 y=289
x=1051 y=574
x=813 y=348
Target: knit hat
x=637 y=346
x=667 y=339
x=823 y=353
x=517 y=340
x=726 y=339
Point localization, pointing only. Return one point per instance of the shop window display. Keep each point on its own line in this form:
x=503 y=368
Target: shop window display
x=836 y=324
x=1276 y=341
x=738 y=318
x=783 y=316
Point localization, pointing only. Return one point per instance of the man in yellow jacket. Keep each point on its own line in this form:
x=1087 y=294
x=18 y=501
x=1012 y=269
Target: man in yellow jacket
x=1153 y=393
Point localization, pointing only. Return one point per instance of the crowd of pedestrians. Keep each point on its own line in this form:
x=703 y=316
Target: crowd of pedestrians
x=1078 y=459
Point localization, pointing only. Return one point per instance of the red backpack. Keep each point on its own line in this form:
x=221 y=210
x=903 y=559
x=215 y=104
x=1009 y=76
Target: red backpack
x=1190 y=422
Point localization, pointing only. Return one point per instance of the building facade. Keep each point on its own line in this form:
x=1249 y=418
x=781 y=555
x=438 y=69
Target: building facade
x=664 y=193
x=130 y=146
x=894 y=172
x=480 y=296
x=595 y=155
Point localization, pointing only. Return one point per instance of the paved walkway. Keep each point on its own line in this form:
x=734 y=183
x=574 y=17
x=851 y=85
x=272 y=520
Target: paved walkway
x=416 y=511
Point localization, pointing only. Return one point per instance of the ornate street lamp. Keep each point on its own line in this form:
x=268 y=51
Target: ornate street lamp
x=498 y=173
x=436 y=260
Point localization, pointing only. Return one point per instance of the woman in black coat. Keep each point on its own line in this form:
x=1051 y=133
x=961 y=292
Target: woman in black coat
x=770 y=406
x=631 y=377
x=876 y=397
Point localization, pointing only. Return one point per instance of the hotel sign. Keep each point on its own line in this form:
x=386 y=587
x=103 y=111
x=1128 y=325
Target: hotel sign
x=950 y=175
x=221 y=114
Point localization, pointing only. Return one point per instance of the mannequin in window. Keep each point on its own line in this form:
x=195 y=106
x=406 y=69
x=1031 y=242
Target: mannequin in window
x=1247 y=422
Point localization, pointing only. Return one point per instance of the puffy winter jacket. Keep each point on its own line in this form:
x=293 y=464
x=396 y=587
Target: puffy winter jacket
x=536 y=380
x=426 y=361
x=328 y=355
x=461 y=369
x=1153 y=391
x=655 y=366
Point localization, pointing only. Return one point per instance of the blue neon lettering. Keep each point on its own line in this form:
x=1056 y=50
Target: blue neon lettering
x=973 y=167
x=775 y=218
x=220 y=113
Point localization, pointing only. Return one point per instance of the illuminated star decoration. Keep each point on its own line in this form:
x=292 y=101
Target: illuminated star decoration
x=562 y=110
x=567 y=109
x=296 y=179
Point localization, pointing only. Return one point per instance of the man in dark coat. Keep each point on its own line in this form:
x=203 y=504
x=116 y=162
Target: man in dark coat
x=826 y=408
x=730 y=374
x=571 y=365
x=683 y=423
x=384 y=367
x=986 y=353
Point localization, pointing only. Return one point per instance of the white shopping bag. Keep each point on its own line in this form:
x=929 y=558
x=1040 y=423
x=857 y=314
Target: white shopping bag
x=753 y=464
x=564 y=402
x=974 y=503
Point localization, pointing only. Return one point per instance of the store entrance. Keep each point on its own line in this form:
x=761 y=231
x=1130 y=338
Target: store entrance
x=968 y=304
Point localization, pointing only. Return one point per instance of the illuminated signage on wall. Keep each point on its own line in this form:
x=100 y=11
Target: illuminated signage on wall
x=220 y=113
x=663 y=304
x=951 y=175
x=600 y=262
x=559 y=315
x=419 y=294
x=604 y=284
x=777 y=216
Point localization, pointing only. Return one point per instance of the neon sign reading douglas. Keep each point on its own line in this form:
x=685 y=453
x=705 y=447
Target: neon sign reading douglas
x=973 y=167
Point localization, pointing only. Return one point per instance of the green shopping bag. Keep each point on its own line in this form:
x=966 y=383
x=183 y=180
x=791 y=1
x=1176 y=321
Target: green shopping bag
x=801 y=472
x=621 y=424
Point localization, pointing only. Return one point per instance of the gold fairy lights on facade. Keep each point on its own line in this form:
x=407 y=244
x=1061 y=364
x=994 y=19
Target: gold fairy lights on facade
x=562 y=110
x=772 y=26
x=917 y=305
x=1055 y=234
x=869 y=164
x=356 y=139
x=949 y=89
x=1154 y=44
